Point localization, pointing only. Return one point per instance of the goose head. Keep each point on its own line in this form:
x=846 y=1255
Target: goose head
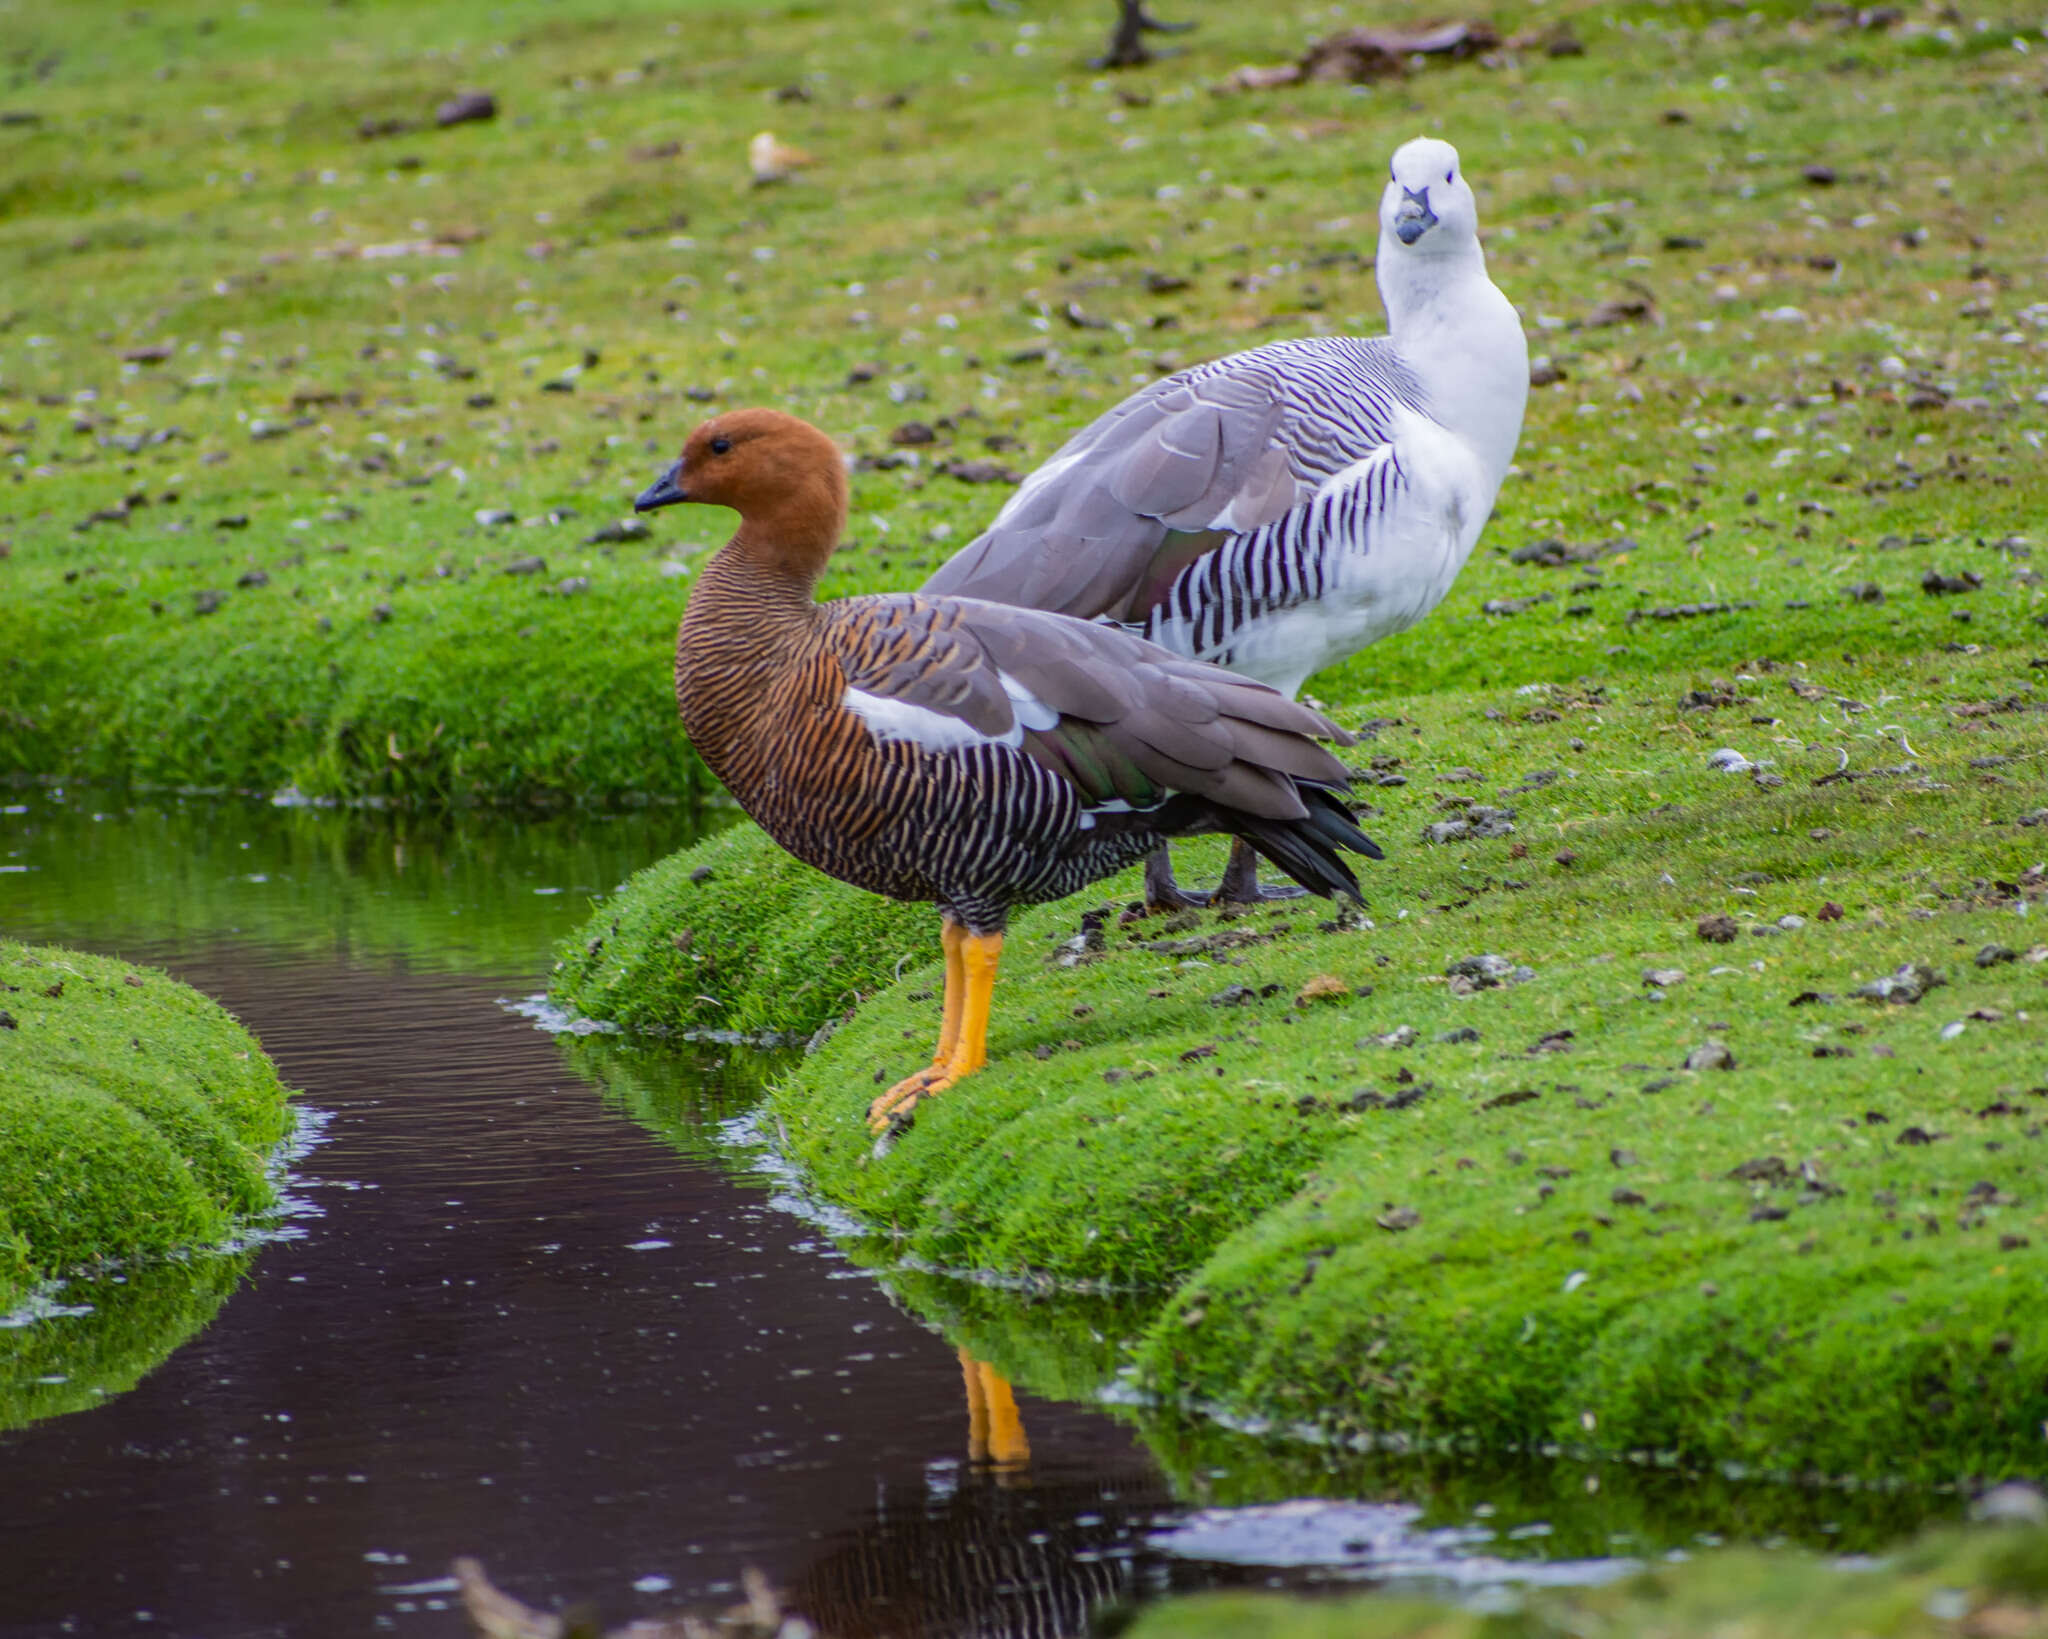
x=1428 y=208
x=784 y=477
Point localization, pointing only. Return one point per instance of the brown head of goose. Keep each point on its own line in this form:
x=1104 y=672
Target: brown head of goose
x=975 y=755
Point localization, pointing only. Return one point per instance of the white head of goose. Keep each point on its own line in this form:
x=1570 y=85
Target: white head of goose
x=1277 y=510
x=975 y=756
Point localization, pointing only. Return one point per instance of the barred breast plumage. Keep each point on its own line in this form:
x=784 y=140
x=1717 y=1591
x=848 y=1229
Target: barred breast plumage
x=977 y=755
x=1277 y=510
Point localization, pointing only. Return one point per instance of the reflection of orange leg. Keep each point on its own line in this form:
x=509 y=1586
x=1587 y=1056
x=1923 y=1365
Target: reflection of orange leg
x=971 y=960
x=1007 y=1446
x=977 y=1408
x=995 y=1432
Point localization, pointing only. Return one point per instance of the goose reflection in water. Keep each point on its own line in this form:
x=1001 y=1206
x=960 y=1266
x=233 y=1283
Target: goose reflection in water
x=995 y=1430
x=1007 y=1551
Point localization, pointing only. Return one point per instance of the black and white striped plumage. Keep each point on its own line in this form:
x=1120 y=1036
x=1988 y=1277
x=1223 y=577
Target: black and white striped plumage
x=1278 y=509
x=982 y=757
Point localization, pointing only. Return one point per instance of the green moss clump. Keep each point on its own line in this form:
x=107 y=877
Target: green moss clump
x=1694 y=1327
x=1950 y=1582
x=1528 y=1215
x=734 y=934
x=135 y=1116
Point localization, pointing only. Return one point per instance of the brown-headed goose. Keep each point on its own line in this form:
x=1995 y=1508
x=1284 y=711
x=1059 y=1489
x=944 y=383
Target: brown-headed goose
x=978 y=755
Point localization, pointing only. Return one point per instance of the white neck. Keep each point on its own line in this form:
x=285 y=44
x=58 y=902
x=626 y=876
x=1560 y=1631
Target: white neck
x=1461 y=337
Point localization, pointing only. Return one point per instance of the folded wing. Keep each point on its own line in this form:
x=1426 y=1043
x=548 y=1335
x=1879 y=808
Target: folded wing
x=1126 y=723
x=1176 y=470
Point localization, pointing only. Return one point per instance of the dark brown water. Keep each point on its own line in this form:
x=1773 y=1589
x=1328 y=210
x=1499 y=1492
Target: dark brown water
x=531 y=1308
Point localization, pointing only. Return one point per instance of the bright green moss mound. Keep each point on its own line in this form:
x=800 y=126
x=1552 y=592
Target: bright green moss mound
x=1518 y=1214
x=1982 y=1582
x=1515 y=1215
x=734 y=934
x=135 y=1115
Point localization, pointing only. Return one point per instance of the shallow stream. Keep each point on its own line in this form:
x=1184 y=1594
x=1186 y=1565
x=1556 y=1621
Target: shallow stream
x=534 y=1302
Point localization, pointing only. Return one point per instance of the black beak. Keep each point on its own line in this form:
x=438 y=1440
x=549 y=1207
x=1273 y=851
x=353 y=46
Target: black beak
x=1413 y=218
x=664 y=491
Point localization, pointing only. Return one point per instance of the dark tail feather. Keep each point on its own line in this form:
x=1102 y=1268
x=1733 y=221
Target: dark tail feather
x=1306 y=849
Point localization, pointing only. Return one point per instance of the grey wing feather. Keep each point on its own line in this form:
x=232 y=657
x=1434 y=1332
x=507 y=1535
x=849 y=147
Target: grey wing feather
x=905 y=648
x=1077 y=537
x=1244 y=439
x=1172 y=465
x=1186 y=726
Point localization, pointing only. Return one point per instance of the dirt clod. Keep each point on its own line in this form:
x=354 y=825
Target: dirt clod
x=1477 y=823
x=1324 y=987
x=467 y=108
x=1711 y=1055
x=1907 y=985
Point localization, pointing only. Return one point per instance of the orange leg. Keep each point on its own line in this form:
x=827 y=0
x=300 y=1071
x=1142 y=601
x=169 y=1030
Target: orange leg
x=971 y=960
x=951 y=937
x=995 y=1431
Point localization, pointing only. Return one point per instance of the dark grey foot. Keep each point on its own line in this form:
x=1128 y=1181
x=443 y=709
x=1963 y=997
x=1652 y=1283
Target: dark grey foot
x=1127 y=44
x=1162 y=893
x=1240 y=885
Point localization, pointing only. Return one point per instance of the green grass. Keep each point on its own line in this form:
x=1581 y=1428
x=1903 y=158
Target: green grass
x=135 y=1117
x=975 y=179
x=734 y=934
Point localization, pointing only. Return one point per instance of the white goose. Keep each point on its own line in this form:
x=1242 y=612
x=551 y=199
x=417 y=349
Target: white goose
x=1277 y=510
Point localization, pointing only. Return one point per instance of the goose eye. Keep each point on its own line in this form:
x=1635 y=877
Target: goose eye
x=720 y=445
x=1450 y=176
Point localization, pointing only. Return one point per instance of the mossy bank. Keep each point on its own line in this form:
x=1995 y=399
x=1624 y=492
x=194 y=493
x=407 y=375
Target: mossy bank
x=136 y=1117
x=1669 y=1177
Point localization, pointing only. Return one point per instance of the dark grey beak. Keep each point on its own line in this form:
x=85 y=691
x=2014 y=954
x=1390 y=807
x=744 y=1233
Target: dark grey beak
x=1413 y=217
x=666 y=490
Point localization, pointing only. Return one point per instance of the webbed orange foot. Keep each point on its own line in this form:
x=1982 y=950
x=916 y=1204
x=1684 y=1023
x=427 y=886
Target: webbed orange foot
x=963 y=1036
x=894 y=1106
